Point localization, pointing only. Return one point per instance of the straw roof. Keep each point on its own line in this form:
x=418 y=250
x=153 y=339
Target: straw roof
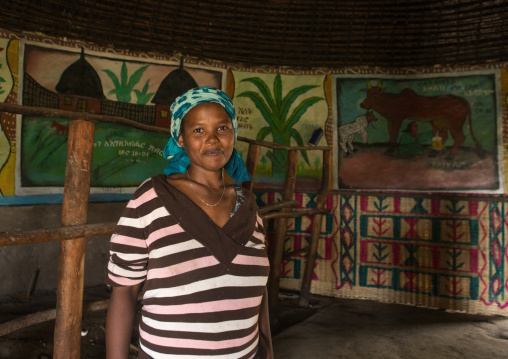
x=295 y=33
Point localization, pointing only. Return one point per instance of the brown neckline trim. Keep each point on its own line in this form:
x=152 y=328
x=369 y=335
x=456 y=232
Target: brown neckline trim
x=225 y=242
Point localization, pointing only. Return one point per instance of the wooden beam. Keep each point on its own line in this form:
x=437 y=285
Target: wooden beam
x=70 y=115
x=46 y=315
x=277 y=205
x=276 y=146
x=14 y=238
x=294 y=214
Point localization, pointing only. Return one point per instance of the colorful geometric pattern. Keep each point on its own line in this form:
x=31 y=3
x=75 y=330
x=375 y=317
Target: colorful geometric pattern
x=436 y=252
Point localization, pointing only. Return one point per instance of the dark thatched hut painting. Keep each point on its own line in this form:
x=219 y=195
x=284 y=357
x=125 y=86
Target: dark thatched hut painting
x=83 y=82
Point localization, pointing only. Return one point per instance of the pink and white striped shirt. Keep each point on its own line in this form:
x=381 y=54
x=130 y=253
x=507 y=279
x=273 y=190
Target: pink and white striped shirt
x=203 y=284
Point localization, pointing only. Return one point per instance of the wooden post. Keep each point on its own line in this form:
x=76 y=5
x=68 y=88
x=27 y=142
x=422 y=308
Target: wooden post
x=252 y=162
x=69 y=304
x=316 y=230
x=280 y=236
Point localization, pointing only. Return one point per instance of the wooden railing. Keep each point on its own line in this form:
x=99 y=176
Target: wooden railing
x=285 y=213
x=69 y=305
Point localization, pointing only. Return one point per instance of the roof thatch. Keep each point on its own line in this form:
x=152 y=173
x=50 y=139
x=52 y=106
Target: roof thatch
x=295 y=33
x=80 y=79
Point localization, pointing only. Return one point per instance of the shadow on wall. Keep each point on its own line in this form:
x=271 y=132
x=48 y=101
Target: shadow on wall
x=19 y=263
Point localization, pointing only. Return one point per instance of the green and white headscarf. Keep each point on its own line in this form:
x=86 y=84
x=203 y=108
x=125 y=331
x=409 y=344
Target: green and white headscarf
x=178 y=159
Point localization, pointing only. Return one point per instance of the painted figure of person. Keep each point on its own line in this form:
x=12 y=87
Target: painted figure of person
x=195 y=244
x=411 y=143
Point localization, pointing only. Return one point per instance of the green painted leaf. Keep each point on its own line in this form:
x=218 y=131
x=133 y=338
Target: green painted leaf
x=277 y=93
x=265 y=91
x=113 y=78
x=142 y=96
x=2 y=79
x=299 y=111
x=282 y=138
x=123 y=74
x=291 y=97
x=136 y=76
x=298 y=138
x=265 y=131
x=145 y=88
x=123 y=95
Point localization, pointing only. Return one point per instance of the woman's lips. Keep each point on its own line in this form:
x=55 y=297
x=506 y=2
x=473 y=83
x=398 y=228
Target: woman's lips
x=212 y=153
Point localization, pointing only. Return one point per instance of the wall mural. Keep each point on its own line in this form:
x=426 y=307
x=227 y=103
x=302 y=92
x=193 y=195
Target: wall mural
x=138 y=90
x=8 y=94
x=286 y=110
x=425 y=132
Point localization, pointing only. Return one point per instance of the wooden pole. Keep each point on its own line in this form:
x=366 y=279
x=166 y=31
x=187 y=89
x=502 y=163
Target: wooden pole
x=280 y=236
x=69 y=303
x=316 y=231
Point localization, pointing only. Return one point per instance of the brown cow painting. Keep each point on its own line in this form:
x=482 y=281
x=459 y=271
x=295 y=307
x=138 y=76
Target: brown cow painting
x=434 y=132
x=446 y=113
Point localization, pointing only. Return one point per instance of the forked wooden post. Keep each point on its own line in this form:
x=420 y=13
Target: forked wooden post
x=316 y=230
x=69 y=306
x=280 y=236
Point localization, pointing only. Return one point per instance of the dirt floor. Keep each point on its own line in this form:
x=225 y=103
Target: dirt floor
x=467 y=170
x=357 y=329
x=329 y=328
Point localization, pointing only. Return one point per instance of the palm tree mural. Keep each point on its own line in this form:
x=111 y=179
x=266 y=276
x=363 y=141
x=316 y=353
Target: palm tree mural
x=275 y=111
x=125 y=85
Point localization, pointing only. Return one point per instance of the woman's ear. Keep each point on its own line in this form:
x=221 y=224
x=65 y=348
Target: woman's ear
x=180 y=140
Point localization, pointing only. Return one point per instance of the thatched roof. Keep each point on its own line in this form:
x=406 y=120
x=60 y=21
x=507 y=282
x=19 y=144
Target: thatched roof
x=81 y=79
x=295 y=33
x=175 y=84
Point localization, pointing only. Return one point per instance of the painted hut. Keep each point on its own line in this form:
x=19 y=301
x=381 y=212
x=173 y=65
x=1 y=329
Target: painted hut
x=80 y=88
x=177 y=82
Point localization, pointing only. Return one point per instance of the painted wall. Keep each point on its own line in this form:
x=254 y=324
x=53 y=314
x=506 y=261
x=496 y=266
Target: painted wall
x=433 y=251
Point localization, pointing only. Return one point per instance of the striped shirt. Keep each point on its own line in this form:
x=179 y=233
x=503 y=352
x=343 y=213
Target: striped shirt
x=203 y=284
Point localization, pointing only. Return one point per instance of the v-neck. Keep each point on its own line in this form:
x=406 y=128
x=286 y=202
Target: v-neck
x=224 y=242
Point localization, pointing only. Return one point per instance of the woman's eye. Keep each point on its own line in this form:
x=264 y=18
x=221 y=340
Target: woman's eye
x=198 y=130
x=223 y=128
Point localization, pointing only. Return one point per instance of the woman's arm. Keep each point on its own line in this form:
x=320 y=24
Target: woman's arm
x=264 y=325
x=119 y=321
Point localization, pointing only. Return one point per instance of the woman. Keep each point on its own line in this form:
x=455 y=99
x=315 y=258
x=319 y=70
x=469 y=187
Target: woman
x=196 y=243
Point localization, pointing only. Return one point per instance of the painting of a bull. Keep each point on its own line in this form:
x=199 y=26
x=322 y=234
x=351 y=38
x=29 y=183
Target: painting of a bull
x=446 y=113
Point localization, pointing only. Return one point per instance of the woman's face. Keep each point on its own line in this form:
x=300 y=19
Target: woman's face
x=207 y=136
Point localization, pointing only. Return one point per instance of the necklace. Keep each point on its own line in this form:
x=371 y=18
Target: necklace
x=201 y=199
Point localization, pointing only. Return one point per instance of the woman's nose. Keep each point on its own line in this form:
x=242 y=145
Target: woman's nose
x=212 y=138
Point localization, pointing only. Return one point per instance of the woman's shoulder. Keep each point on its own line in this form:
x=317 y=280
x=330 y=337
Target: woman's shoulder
x=150 y=183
